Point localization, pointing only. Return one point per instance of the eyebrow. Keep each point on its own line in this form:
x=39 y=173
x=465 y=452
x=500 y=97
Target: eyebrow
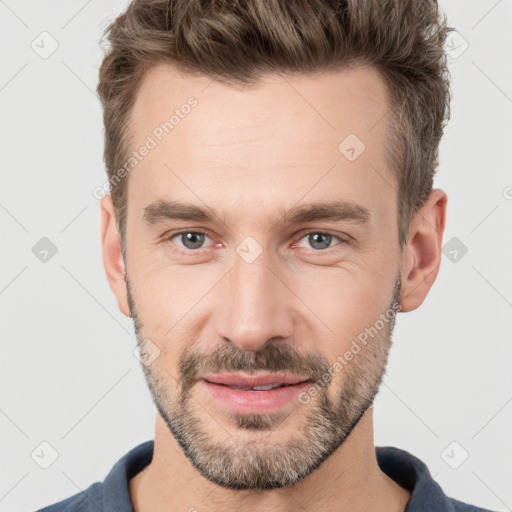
x=334 y=211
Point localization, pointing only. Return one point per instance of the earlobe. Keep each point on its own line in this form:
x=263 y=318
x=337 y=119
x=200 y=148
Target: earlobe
x=421 y=256
x=113 y=261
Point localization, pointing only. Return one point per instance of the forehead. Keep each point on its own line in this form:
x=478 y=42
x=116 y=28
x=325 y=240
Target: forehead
x=285 y=133
x=336 y=101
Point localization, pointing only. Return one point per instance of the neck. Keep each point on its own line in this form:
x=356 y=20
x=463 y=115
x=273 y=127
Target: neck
x=349 y=480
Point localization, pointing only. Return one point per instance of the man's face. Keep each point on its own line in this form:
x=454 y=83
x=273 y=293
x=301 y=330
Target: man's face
x=254 y=291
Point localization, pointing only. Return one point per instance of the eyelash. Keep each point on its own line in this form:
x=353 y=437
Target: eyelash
x=301 y=235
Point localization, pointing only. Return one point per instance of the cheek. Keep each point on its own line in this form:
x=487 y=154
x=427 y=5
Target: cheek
x=344 y=303
x=165 y=300
x=176 y=302
x=171 y=289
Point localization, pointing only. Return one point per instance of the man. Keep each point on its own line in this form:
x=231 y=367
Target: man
x=270 y=167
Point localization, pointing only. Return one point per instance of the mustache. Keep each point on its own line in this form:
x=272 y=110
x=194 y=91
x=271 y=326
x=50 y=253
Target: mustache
x=276 y=357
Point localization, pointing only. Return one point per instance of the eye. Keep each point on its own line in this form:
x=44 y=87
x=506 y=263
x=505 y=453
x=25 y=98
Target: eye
x=193 y=241
x=190 y=240
x=320 y=241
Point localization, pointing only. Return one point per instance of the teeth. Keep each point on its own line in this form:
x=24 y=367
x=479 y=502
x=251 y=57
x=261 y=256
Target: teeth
x=258 y=388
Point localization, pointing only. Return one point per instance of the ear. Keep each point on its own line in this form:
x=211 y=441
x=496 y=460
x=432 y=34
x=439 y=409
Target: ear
x=421 y=256
x=112 y=255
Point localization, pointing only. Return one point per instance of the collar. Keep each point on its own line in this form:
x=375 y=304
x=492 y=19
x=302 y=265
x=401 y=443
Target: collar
x=402 y=467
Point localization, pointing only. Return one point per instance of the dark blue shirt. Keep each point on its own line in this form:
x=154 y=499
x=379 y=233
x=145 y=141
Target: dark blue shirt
x=112 y=495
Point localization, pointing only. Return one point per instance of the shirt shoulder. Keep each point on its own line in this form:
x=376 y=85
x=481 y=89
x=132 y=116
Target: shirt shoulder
x=412 y=474
x=460 y=506
x=112 y=494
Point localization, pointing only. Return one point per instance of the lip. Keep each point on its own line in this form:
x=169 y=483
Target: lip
x=253 y=401
x=237 y=379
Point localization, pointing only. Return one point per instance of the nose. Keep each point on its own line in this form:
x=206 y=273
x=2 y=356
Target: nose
x=254 y=307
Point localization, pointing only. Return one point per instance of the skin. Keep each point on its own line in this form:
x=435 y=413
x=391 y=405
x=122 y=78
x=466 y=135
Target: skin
x=252 y=155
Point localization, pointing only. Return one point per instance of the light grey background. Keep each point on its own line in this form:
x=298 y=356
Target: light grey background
x=68 y=373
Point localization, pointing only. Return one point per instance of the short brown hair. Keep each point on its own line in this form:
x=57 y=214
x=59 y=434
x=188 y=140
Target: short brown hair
x=238 y=41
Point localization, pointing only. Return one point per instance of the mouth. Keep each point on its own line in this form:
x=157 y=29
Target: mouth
x=254 y=394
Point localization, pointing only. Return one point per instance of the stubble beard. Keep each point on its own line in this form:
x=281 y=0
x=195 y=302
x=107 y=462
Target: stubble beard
x=262 y=462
